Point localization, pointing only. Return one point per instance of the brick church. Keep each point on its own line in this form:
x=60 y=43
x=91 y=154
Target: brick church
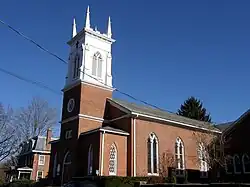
x=101 y=135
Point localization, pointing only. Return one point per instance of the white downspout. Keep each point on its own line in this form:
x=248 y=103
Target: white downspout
x=134 y=134
x=102 y=153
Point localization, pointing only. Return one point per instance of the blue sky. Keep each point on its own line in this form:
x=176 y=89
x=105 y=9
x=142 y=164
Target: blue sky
x=165 y=52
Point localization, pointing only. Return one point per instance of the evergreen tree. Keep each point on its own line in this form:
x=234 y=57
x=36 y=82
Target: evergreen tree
x=193 y=108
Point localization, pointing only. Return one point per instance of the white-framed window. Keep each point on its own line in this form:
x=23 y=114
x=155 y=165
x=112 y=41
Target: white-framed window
x=39 y=175
x=229 y=167
x=245 y=164
x=97 y=65
x=41 y=160
x=90 y=160
x=68 y=134
x=237 y=164
x=113 y=160
x=76 y=67
x=153 y=154
x=202 y=154
x=179 y=156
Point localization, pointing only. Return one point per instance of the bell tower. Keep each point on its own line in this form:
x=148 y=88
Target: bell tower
x=89 y=76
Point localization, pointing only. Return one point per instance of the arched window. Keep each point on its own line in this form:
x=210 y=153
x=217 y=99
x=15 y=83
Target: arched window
x=113 y=160
x=90 y=160
x=153 y=160
x=55 y=166
x=179 y=156
x=67 y=158
x=97 y=65
x=229 y=164
x=246 y=164
x=202 y=154
x=76 y=66
x=237 y=164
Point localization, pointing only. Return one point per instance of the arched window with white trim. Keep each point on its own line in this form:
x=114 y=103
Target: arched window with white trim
x=246 y=164
x=202 y=154
x=153 y=154
x=229 y=167
x=97 y=65
x=113 y=160
x=179 y=155
x=237 y=164
x=90 y=160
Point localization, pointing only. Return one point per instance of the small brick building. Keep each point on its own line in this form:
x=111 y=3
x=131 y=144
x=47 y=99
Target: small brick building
x=101 y=135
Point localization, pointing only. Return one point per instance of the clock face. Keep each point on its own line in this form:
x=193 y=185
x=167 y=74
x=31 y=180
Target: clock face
x=71 y=105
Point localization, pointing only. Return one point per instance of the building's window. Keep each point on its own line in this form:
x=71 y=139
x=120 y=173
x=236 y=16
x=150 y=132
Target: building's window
x=76 y=66
x=90 y=160
x=246 y=164
x=179 y=156
x=68 y=134
x=229 y=164
x=97 y=65
x=41 y=160
x=202 y=154
x=39 y=175
x=237 y=164
x=54 y=165
x=153 y=159
x=113 y=160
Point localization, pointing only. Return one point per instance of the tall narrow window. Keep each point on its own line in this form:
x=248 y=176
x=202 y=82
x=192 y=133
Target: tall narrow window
x=97 y=65
x=113 y=160
x=76 y=66
x=229 y=164
x=152 y=154
x=90 y=160
x=246 y=164
x=179 y=156
x=202 y=154
x=41 y=160
x=237 y=164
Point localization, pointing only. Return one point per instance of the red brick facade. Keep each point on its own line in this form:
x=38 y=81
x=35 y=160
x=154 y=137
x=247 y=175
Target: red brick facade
x=101 y=124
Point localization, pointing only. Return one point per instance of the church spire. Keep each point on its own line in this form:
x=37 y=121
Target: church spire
x=74 y=33
x=109 y=33
x=87 y=22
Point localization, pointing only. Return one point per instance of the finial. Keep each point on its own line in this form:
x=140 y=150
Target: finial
x=87 y=23
x=95 y=28
x=109 y=33
x=74 y=33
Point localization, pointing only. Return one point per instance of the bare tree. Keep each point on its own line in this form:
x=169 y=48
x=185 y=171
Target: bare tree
x=166 y=161
x=7 y=133
x=35 y=119
x=210 y=149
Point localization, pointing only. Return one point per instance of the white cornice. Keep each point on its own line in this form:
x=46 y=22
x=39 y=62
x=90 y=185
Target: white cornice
x=93 y=118
x=105 y=131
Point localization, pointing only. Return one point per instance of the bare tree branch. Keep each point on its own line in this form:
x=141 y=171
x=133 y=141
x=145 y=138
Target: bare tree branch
x=35 y=119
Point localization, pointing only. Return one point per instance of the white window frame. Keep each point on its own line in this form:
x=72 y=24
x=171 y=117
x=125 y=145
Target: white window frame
x=98 y=61
x=180 y=146
x=76 y=67
x=243 y=163
x=230 y=158
x=68 y=134
x=115 y=160
x=37 y=174
x=39 y=160
x=90 y=160
x=151 y=139
x=203 y=163
x=234 y=163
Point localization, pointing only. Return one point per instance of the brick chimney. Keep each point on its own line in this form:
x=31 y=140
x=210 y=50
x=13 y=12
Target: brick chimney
x=48 y=138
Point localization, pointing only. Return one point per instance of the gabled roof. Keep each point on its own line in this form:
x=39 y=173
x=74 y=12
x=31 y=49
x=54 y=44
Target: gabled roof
x=107 y=129
x=224 y=126
x=157 y=113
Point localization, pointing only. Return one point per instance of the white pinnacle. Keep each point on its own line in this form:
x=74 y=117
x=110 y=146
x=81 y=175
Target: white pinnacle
x=109 y=32
x=87 y=23
x=74 y=32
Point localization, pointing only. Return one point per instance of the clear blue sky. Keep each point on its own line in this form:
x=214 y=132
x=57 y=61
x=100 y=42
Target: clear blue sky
x=165 y=50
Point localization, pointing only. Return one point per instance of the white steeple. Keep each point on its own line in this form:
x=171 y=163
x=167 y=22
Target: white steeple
x=109 y=32
x=87 y=22
x=74 y=32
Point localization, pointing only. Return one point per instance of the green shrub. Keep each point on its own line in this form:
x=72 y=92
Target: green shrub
x=21 y=183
